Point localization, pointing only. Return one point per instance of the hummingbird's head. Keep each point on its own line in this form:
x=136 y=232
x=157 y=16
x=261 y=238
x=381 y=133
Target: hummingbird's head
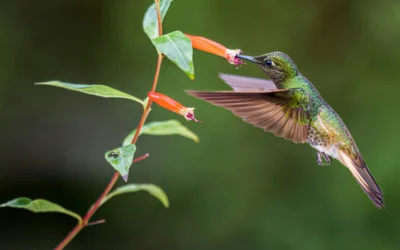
x=277 y=65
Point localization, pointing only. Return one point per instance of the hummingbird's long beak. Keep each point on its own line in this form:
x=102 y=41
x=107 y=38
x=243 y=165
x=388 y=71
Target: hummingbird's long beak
x=249 y=58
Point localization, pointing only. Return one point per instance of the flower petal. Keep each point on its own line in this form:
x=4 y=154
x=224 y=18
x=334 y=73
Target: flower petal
x=172 y=105
x=165 y=102
x=207 y=45
x=231 y=57
x=188 y=113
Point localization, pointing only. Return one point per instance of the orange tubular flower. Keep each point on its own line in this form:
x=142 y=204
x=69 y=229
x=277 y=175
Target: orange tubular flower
x=207 y=45
x=172 y=105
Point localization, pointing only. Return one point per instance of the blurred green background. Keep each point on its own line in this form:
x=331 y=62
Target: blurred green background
x=239 y=188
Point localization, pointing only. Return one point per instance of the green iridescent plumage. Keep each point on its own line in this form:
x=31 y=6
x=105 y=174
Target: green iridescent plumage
x=290 y=107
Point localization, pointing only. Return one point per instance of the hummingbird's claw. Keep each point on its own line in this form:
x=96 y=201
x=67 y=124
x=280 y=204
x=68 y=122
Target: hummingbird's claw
x=326 y=157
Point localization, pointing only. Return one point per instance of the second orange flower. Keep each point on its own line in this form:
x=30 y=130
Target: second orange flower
x=172 y=105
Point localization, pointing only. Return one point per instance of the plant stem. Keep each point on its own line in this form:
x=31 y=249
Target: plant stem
x=141 y=158
x=159 y=20
x=114 y=179
x=97 y=222
x=147 y=109
x=88 y=215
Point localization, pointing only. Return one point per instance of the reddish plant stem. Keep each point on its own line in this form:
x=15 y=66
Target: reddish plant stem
x=88 y=215
x=147 y=109
x=141 y=158
x=114 y=179
x=97 y=222
x=159 y=20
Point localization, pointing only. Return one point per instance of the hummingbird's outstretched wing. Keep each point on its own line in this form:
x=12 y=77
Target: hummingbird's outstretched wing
x=284 y=112
x=248 y=84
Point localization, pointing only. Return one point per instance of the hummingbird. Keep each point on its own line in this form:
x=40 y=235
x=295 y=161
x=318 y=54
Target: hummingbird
x=289 y=106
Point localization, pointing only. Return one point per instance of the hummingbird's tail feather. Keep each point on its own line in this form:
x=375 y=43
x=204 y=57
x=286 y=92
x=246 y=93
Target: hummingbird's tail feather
x=363 y=176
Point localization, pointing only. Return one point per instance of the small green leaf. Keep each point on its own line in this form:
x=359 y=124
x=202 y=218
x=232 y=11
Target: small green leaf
x=150 y=21
x=40 y=206
x=130 y=188
x=97 y=90
x=178 y=48
x=121 y=159
x=170 y=127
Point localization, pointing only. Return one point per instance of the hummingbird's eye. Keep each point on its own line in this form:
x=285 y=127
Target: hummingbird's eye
x=269 y=63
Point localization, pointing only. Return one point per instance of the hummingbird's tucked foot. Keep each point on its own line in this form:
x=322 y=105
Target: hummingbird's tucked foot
x=326 y=157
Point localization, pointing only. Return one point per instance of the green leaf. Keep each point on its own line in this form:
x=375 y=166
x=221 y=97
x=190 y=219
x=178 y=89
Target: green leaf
x=178 y=48
x=97 y=90
x=150 y=21
x=130 y=188
x=40 y=206
x=121 y=159
x=170 y=127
